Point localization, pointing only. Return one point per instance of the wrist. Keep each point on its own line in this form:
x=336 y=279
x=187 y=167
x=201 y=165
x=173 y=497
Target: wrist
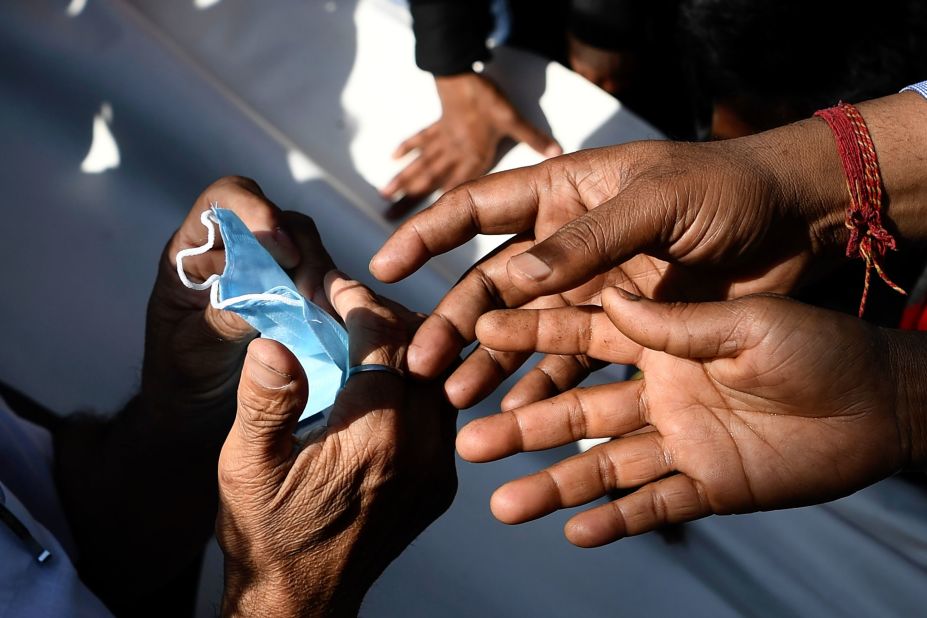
x=315 y=585
x=906 y=360
x=459 y=85
x=805 y=167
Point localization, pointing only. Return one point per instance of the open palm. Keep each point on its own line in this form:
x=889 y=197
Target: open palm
x=748 y=405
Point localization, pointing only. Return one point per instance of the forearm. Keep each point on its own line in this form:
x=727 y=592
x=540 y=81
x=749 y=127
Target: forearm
x=804 y=158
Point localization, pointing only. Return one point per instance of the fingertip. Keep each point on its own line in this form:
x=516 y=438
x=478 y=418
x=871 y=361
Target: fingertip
x=433 y=348
x=332 y=280
x=421 y=361
x=554 y=150
x=386 y=267
x=490 y=326
x=469 y=442
x=271 y=365
x=507 y=506
x=520 y=395
x=581 y=532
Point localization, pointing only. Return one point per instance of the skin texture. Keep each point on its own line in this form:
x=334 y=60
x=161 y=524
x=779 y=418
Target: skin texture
x=680 y=221
x=307 y=531
x=462 y=144
x=671 y=221
x=748 y=405
x=152 y=466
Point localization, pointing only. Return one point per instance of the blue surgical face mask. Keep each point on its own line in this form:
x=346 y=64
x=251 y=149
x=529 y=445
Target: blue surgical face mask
x=255 y=287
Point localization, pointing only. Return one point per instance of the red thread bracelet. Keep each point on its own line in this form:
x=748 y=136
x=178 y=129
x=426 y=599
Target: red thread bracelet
x=869 y=239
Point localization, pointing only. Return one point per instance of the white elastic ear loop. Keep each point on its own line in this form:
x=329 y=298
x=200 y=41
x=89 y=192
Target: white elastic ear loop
x=207 y=219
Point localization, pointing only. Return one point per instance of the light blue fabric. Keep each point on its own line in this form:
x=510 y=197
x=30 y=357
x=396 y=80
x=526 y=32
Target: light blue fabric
x=920 y=88
x=315 y=338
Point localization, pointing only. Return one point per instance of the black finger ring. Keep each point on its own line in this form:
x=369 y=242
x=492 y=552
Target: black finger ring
x=374 y=367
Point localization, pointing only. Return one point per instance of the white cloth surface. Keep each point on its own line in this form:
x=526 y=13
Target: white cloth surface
x=27 y=588
x=238 y=88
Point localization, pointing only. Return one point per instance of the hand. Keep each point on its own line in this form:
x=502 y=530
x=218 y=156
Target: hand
x=754 y=404
x=670 y=221
x=462 y=144
x=193 y=352
x=306 y=532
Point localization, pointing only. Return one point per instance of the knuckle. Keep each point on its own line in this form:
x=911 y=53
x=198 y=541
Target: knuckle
x=243 y=182
x=576 y=417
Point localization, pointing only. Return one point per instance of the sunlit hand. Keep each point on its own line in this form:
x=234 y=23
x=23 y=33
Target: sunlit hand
x=753 y=404
x=671 y=221
x=193 y=353
x=462 y=144
x=306 y=532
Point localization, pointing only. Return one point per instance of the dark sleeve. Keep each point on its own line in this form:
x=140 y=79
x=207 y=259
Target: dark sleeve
x=450 y=35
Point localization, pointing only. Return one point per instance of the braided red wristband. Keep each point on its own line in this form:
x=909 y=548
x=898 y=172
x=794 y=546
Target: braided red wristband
x=869 y=239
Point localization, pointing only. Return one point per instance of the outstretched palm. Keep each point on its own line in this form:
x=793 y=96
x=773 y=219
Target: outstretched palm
x=749 y=405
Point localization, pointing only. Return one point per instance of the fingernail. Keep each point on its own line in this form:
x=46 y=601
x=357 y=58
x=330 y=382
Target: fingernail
x=627 y=295
x=268 y=377
x=531 y=267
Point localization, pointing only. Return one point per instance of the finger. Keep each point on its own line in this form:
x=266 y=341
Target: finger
x=271 y=395
x=672 y=500
x=314 y=262
x=451 y=325
x=401 y=207
x=376 y=334
x=607 y=235
x=552 y=375
x=416 y=177
x=523 y=131
x=565 y=330
x=626 y=462
x=459 y=215
x=479 y=375
x=596 y=412
x=261 y=216
x=685 y=330
x=416 y=141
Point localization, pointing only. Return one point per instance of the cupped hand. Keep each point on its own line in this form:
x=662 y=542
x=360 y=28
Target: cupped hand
x=462 y=144
x=193 y=352
x=670 y=221
x=747 y=405
x=306 y=531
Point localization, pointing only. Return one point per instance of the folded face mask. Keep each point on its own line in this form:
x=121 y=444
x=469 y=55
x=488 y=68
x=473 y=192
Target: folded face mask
x=255 y=287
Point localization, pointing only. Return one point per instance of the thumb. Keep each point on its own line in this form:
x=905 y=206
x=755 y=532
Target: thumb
x=684 y=330
x=523 y=131
x=271 y=396
x=589 y=245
